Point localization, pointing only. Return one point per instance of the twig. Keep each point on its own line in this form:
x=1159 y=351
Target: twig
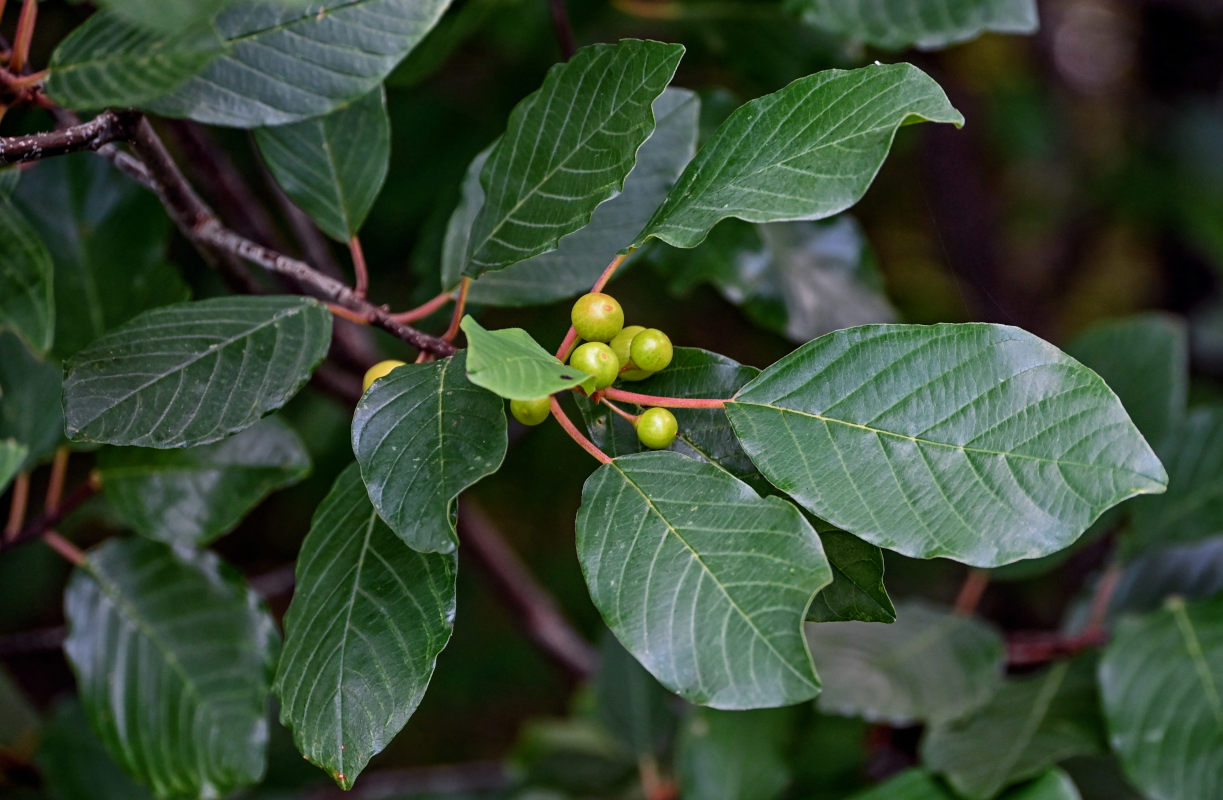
x=424 y=309
x=534 y=609
x=49 y=520
x=361 y=283
x=24 y=35
x=460 y=304
x=564 y=29
x=17 y=506
x=55 y=486
x=1029 y=649
x=1102 y=598
x=65 y=548
x=109 y=126
x=970 y=591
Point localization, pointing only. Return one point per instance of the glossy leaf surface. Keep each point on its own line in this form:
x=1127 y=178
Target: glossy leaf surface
x=702 y=580
x=333 y=166
x=856 y=591
x=580 y=257
x=975 y=442
x=1159 y=682
x=194 y=373
x=368 y=619
x=510 y=364
x=805 y=152
x=285 y=62
x=173 y=659
x=929 y=25
x=930 y=665
x=193 y=495
x=567 y=148
x=423 y=434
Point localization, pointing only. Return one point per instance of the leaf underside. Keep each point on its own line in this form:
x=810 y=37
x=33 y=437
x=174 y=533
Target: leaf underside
x=929 y=25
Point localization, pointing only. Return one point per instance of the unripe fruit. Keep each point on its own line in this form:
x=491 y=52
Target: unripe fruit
x=621 y=344
x=377 y=371
x=651 y=350
x=531 y=412
x=596 y=358
x=597 y=317
x=656 y=428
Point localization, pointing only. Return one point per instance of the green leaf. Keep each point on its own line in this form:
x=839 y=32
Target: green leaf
x=423 y=434
x=797 y=279
x=918 y=784
x=574 y=757
x=27 y=299
x=930 y=666
x=192 y=495
x=805 y=152
x=976 y=442
x=1053 y=785
x=109 y=61
x=362 y=634
x=333 y=166
x=168 y=16
x=1160 y=681
x=929 y=25
x=510 y=364
x=12 y=455
x=1032 y=723
x=1191 y=571
x=284 y=63
x=1192 y=509
x=734 y=755
x=581 y=256
x=629 y=703
x=75 y=766
x=1145 y=360
x=10 y=178
x=194 y=373
x=661 y=536
x=30 y=412
x=173 y=659
x=856 y=591
x=107 y=237
x=567 y=148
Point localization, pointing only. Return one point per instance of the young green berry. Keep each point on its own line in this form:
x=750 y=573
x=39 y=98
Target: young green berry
x=596 y=358
x=531 y=412
x=620 y=343
x=656 y=428
x=597 y=317
x=377 y=371
x=651 y=350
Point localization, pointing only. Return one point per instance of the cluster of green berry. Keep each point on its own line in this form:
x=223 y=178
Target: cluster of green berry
x=610 y=352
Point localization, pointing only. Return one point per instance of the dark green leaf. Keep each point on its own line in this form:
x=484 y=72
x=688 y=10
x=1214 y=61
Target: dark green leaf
x=107 y=236
x=797 y=279
x=734 y=755
x=581 y=256
x=805 y=152
x=629 y=703
x=918 y=784
x=1191 y=571
x=1145 y=360
x=30 y=411
x=572 y=756
x=1159 y=681
x=929 y=25
x=74 y=764
x=333 y=166
x=1031 y=724
x=10 y=177
x=193 y=495
x=704 y=582
x=423 y=434
x=856 y=591
x=510 y=364
x=930 y=665
x=1053 y=785
x=362 y=635
x=1192 y=509
x=287 y=62
x=976 y=442
x=194 y=373
x=567 y=148
x=173 y=658
x=12 y=455
x=27 y=299
x=19 y=720
x=165 y=15
x=109 y=61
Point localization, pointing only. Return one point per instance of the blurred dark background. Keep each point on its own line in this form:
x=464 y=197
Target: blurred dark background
x=1086 y=184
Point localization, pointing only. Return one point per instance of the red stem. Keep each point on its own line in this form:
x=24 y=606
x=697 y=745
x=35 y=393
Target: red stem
x=16 y=512
x=423 y=310
x=632 y=418
x=457 y=316
x=358 y=267
x=348 y=314
x=971 y=591
x=55 y=486
x=65 y=548
x=576 y=435
x=25 y=32
x=665 y=402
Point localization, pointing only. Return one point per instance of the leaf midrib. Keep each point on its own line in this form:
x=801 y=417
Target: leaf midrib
x=697 y=557
x=1193 y=646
